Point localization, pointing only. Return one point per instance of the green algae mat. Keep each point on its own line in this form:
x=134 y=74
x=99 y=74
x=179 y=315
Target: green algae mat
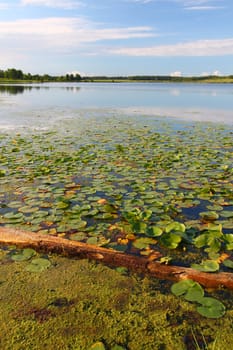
x=130 y=184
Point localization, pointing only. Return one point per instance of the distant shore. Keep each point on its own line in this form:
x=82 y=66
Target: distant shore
x=116 y=79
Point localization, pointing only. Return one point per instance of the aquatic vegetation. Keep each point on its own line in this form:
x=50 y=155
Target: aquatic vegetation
x=23 y=255
x=192 y=291
x=131 y=185
x=76 y=303
x=38 y=265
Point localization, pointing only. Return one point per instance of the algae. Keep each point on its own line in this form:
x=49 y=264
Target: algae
x=77 y=303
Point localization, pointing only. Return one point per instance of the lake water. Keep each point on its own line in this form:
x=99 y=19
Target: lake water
x=43 y=105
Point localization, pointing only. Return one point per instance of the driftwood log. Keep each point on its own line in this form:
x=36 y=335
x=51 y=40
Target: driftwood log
x=146 y=265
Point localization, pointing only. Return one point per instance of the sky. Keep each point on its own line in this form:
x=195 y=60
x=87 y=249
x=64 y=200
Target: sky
x=117 y=37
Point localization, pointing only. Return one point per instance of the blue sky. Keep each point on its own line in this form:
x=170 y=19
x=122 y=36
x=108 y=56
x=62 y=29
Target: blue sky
x=117 y=37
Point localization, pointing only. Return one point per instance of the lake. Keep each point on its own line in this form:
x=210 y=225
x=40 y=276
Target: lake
x=136 y=168
x=42 y=105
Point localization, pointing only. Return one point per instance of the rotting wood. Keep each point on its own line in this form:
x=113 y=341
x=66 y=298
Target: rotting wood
x=146 y=265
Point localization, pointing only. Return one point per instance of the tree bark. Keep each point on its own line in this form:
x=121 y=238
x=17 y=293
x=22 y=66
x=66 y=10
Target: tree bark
x=145 y=265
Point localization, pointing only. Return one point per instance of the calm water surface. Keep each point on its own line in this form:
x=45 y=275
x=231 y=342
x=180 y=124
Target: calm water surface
x=43 y=105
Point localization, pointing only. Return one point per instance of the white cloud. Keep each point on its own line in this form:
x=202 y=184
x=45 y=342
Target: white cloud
x=203 y=8
x=201 y=5
x=65 y=4
x=216 y=73
x=61 y=33
x=194 y=48
x=176 y=74
x=74 y=72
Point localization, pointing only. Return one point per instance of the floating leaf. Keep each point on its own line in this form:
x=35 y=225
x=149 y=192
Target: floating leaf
x=228 y=238
x=194 y=293
x=207 y=266
x=38 y=265
x=143 y=242
x=228 y=263
x=139 y=227
x=175 y=226
x=79 y=236
x=13 y=216
x=99 y=241
x=154 y=231
x=170 y=240
x=209 y=215
x=211 y=308
x=26 y=254
x=227 y=214
x=181 y=287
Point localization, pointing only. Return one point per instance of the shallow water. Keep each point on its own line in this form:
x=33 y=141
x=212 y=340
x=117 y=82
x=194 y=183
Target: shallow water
x=43 y=105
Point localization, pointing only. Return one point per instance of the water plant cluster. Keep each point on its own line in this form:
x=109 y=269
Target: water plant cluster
x=125 y=184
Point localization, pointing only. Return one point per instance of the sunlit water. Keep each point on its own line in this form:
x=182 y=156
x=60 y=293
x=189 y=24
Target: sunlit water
x=44 y=106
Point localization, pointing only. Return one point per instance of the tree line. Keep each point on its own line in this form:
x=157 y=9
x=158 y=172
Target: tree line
x=12 y=74
x=17 y=74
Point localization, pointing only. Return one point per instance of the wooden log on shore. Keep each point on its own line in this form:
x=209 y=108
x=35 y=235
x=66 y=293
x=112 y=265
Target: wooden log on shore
x=145 y=265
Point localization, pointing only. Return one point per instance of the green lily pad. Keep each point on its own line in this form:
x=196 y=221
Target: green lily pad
x=194 y=293
x=181 y=287
x=207 y=266
x=99 y=241
x=139 y=227
x=79 y=236
x=26 y=254
x=170 y=240
x=228 y=238
x=209 y=215
x=211 y=308
x=143 y=242
x=175 y=226
x=228 y=263
x=38 y=265
x=227 y=213
x=13 y=216
x=154 y=231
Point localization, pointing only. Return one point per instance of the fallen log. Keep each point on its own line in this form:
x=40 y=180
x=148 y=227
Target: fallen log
x=146 y=265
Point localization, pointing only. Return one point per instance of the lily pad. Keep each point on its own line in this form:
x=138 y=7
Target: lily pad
x=143 y=242
x=181 y=287
x=26 y=254
x=194 y=293
x=79 y=236
x=211 y=308
x=228 y=263
x=175 y=226
x=207 y=266
x=38 y=265
x=209 y=215
x=170 y=240
x=154 y=231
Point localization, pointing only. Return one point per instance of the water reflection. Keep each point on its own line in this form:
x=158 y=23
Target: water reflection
x=20 y=89
x=36 y=104
x=14 y=89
